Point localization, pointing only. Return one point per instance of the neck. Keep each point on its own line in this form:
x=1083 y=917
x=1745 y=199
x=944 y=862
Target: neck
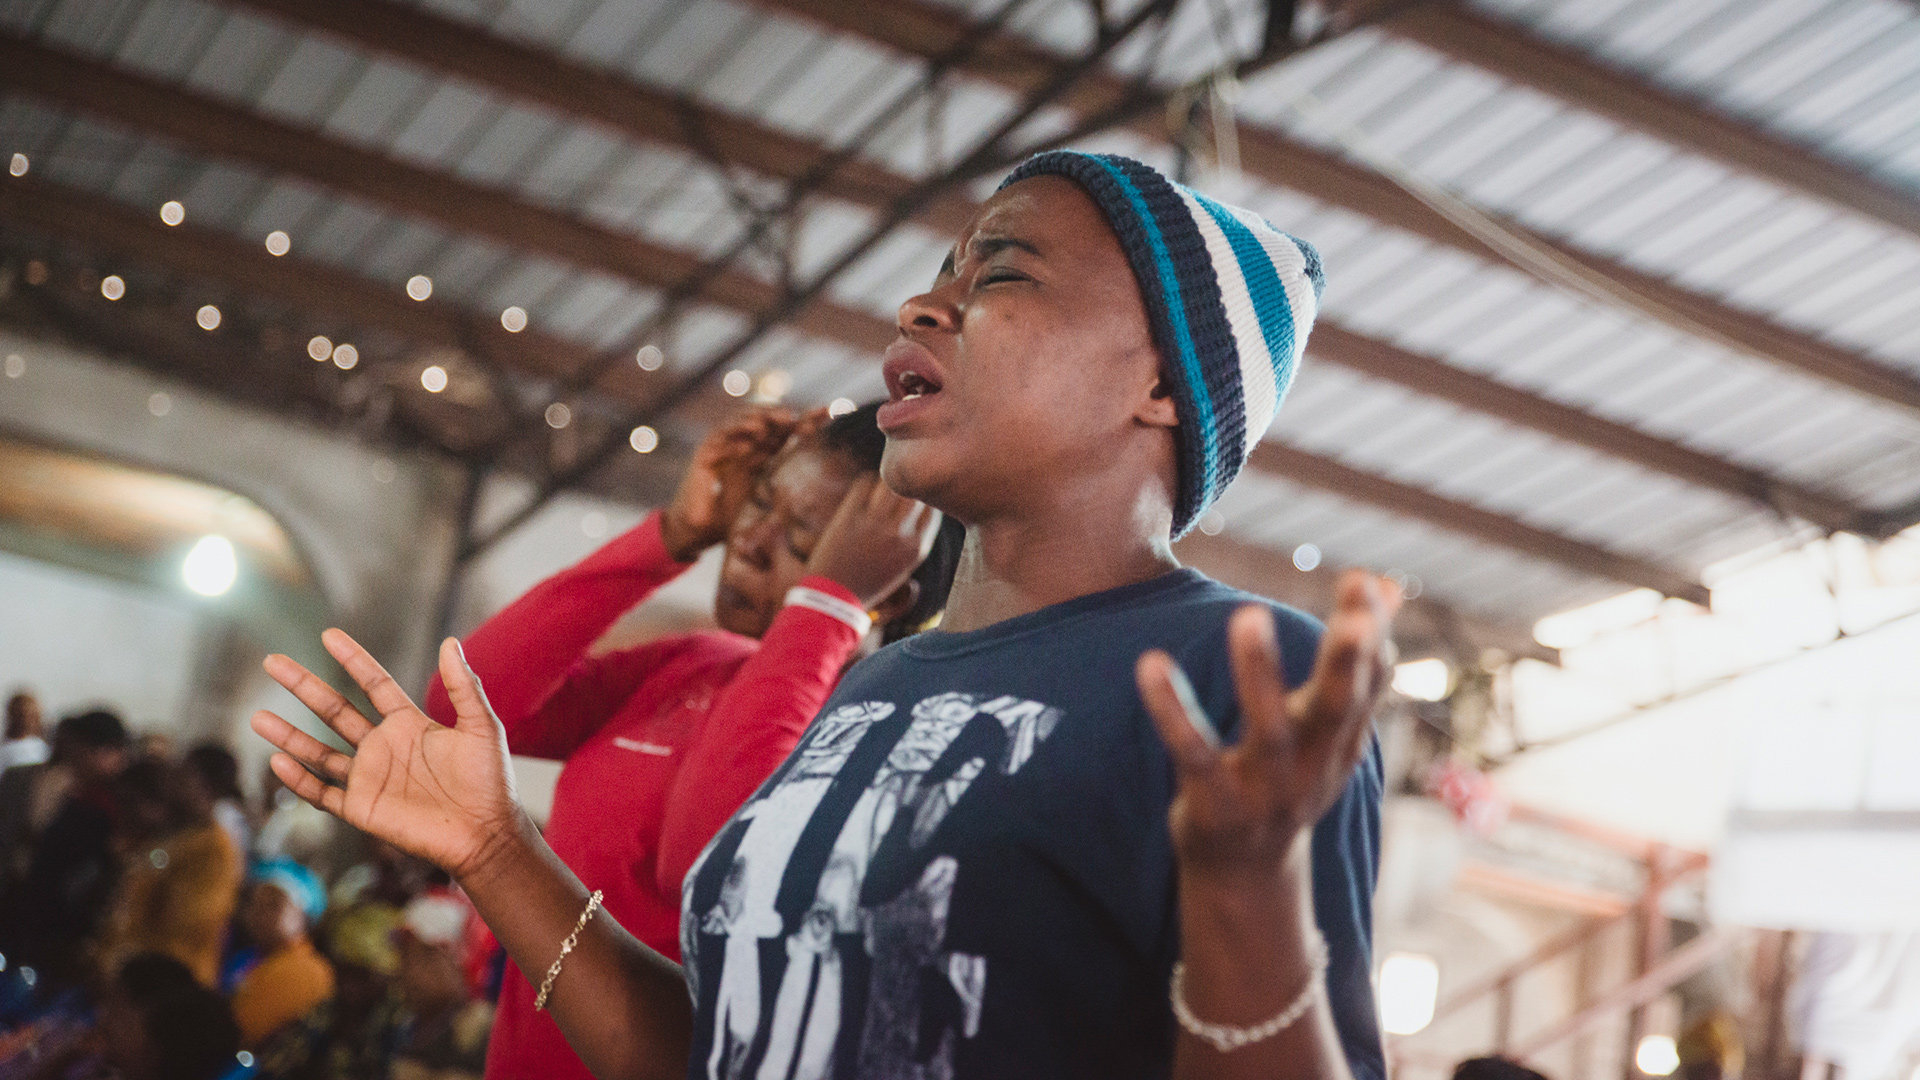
x=1018 y=563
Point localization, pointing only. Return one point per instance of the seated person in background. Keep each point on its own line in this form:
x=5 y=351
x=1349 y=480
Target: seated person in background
x=182 y=874
x=289 y=977
x=354 y=1035
x=444 y=1034
x=71 y=869
x=156 y=1022
x=214 y=770
x=664 y=741
x=25 y=737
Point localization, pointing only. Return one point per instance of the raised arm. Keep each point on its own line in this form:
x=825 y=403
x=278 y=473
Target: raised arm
x=533 y=653
x=1242 y=821
x=864 y=556
x=445 y=794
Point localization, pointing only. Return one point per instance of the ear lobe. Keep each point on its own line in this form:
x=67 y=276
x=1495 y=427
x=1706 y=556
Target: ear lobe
x=1158 y=409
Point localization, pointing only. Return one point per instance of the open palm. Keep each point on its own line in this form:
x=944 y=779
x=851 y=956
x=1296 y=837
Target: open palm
x=437 y=792
x=1240 y=807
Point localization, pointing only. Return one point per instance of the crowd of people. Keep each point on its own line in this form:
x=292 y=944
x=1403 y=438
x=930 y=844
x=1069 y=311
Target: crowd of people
x=156 y=923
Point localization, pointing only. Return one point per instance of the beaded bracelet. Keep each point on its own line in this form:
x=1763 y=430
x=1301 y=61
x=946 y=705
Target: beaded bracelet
x=546 y=984
x=1225 y=1038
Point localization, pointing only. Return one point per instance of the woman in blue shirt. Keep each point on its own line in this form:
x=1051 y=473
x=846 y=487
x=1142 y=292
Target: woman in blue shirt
x=1084 y=828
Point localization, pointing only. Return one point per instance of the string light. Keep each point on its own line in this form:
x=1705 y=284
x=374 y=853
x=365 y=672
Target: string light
x=1212 y=523
x=419 y=286
x=649 y=358
x=319 y=347
x=773 y=385
x=36 y=272
x=159 y=404
x=112 y=287
x=18 y=166
x=514 y=319
x=208 y=317
x=172 y=212
x=1306 y=557
x=594 y=524
x=644 y=440
x=840 y=406
x=559 y=416
x=434 y=378
x=278 y=243
x=736 y=383
x=345 y=356
x=16 y=365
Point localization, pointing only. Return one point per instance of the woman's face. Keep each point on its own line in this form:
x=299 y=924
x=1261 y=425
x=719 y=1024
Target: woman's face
x=791 y=503
x=270 y=917
x=1028 y=364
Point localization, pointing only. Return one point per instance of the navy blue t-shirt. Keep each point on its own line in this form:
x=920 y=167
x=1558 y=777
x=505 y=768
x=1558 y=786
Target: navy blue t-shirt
x=964 y=869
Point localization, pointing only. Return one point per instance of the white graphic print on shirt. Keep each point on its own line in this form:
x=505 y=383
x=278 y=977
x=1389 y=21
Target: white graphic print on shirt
x=893 y=943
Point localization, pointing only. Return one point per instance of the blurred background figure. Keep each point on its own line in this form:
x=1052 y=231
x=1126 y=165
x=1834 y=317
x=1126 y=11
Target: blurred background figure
x=285 y=977
x=156 y=1021
x=25 y=743
x=181 y=876
x=214 y=774
x=355 y=1033
x=446 y=1024
x=71 y=807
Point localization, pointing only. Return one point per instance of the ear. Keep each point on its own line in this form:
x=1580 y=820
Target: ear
x=897 y=603
x=1156 y=409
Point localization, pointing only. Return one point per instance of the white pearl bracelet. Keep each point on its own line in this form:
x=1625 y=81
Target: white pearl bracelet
x=1225 y=1038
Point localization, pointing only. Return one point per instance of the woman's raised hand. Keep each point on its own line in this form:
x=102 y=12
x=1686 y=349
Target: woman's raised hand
x=719 y=478
x=1240 y=808
x=875 y=540
x=442 y=793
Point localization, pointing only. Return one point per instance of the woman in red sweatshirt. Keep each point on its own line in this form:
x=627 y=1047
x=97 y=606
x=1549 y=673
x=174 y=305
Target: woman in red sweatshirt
x=663 y=742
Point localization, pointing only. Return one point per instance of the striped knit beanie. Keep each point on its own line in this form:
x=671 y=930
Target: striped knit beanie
x=1230 y=299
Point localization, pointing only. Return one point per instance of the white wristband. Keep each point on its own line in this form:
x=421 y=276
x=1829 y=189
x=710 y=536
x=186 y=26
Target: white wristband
x=828 y=604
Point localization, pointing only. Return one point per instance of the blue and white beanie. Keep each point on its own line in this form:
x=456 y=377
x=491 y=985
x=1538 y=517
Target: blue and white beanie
x=1230 y=299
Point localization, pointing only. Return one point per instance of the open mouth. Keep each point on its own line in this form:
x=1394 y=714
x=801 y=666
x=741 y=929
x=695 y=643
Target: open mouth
x=913 y=385
x=910 y=372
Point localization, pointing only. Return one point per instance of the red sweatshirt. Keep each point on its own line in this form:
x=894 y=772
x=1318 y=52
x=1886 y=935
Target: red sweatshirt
x=662 y=743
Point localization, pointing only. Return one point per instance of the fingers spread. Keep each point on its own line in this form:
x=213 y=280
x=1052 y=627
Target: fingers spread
x=309 y=751
x=327 y=703
x=1190 y=736
x=1254 y=652
x=308 y=786
x=380 y=687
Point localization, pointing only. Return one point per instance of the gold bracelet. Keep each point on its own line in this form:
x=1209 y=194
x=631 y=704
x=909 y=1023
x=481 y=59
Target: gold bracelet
x=546 y=984
x=1227 y=1039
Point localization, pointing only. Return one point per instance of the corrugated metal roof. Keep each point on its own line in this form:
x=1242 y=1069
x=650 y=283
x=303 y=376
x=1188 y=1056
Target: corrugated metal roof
x=1842 y=77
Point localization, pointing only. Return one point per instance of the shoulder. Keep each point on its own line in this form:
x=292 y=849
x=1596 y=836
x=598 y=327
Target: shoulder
x=1218 y=600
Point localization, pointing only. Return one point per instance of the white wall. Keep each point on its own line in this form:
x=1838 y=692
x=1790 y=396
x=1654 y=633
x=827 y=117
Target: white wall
x=78 y=639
